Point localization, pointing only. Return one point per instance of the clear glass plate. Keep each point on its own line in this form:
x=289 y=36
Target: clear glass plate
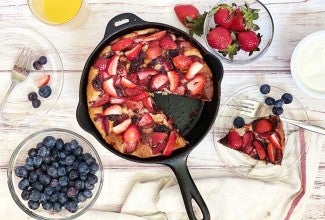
x=18 y=109
x=242 y=164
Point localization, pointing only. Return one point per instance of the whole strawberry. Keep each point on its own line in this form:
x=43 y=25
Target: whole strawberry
x=248 y=40
x=238 y=22
x=223 y=15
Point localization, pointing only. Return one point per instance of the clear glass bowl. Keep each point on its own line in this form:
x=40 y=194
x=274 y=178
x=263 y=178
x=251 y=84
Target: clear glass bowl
x=242 y=164
x=265 y=22
x=18 y=158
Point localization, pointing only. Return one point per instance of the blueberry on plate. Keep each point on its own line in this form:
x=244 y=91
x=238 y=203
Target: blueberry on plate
x=278 y=103
x=42 y=60
x=45 y=91
x=265 y=89
x=37 y=65
x=32 y=96
x=269 y=101
x=287 y=98
x=36 y=103
x=277 y=110
x=239 y=122
x=33 y=205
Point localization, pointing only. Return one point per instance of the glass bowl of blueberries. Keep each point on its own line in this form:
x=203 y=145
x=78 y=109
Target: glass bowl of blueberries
x=55 y=174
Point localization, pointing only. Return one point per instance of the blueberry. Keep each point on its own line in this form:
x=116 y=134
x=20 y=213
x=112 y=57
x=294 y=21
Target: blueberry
x=42 y=60
x=47 y=206
x=54 y=197
x=32 y=152
x=49 y=141
x=37 y=65
x=63 y=180
x=25 y=194
x=57 y=207
x=44 y=151
x=23 y=184
x=36 y=103
x=54 y=183
x=32 y=96
x=45 y=179
x=35 y=195
x=49 y=190
x=62 y=198
x=89 y=186
x=52 y=171
x=265 y=89
x=47 y=160
x=94 y=168
x=78 y=151
x=239 y=122
x=64 y=189
x=278 y=103
x=79 y=184
x=83 y=168
x=269 y=101
x=71 y=206
x=21 y=171
x=72 y=192
x=32 y=177
x=33 y=204
x=44 y=166
x=61 y=171
x=39 y=145
x=67 y=147
x=287 y=98
x=62 y=154
x=74 y=144
x=73 y=174
x=81 y=197
x=87 y=193
x=45 y=91
x=30 y=161
x=37 y=160
x=92 y=179
x=59 y=144
x=277 y=110
x=69 y=160
x=44 y=197
x=83 y=177
x=37 y=185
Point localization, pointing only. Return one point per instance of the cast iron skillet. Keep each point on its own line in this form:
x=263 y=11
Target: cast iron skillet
x=193 y=117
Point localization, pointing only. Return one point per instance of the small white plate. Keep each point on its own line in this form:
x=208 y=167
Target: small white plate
x=307 y=62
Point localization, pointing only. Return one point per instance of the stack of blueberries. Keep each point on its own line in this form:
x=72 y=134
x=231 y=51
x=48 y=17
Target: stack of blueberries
x=57 y=175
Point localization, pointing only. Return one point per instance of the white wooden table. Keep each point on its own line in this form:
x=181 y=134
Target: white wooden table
x=293 y=20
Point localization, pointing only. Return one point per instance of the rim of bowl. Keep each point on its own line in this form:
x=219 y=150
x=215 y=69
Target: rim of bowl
x=239 y=62
x=293 y=68
x=15 y=154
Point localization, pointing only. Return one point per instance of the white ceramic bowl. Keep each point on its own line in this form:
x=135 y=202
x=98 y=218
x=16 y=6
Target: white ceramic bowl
x=308 y=65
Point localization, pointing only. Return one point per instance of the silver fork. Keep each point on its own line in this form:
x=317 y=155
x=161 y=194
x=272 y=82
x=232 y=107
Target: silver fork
x=252 y=109
x=20 y=71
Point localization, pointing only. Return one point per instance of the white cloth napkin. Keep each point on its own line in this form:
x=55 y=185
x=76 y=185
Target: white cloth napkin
x=228 y=196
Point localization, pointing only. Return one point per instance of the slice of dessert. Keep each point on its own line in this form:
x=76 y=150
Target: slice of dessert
x=262 y=139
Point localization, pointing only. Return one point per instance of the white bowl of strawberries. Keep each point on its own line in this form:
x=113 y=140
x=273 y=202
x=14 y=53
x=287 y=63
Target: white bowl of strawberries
x=238 y=31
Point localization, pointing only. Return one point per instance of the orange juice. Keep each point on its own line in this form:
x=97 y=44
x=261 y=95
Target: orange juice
x=55 y=11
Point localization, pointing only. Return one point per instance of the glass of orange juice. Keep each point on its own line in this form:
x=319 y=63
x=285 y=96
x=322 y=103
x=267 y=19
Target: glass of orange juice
x=56 y=12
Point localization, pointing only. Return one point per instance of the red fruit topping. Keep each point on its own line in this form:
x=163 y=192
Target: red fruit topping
x=113 y=110
x=102 y=100
x=260 y=150
x=182 y=62
x=275 y=140
x=159 y=81
x=248 y=40
x=219 y=38
x=180 y=90
x=127 y=83
x=238 y=23
x=44 y=80
x=133 y=78
x=158 y=137
x=265 y=135
x=148 y=103
x=134 y=105
x=153 y=52
x=101 y=64
x=193 y=70
x=143 y=74
x=167 y=43
x=108 y=86
x=122 y=44
x=247 y=139
x=146 y=121
x=140 y=96
x=263 y=126
x=134 y=52
x=133 y=91
x=170 y=144
x=223 y=16
x=186 y=13
x=271 y=152
x=234 y=140
x=116 y=100
x=132 y=135
x=248 y=149
x=154 y=43
x=112 y=67
x=173 y=80
x=152 y=37
x=120 y=128
x=196 y=85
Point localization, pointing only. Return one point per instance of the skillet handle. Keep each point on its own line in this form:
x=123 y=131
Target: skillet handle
x=188 y=188
x=121 y=22
x=83 y=117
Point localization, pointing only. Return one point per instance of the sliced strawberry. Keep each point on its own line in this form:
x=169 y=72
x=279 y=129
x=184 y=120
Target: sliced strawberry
x=131 y=137
x=134 y=52
x=180 y=90
x=159 y=81
x=113 y=110
x=112 y=67
x=275 y=140
x=271 y=152
x=152 y=37
x=193 y=70
x=133 y=78
x=158 y=148
x=122 y=44
x=140 y=96
x=235 y=141
x=134 y=105
x=102 y=100
x=121 y=70
x=127 y=83
x=146 y=121
x=148 y=103
x=143 y=74
x=182 y=62
x=103 y=75
x=120 y=128
x=108 y=86
x=170 y=143
x=117 y=100
x=196 y=85
x=247 y=139
x=154 y=43
x=173 y=80
x=265 y=135
x=153 y=52
x=44 y=80
x=260 y=150
x=248 y=149
x=263 y=126
x=158 y=137
x=133 y=91
x=167 y=43
x=101 y=64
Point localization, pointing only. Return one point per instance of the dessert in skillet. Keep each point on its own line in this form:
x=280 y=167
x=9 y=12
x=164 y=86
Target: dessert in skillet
x=125 y=76
x=262 y=139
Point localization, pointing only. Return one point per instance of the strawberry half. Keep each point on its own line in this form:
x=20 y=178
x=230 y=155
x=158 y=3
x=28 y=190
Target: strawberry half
x=134 y=52
x=193 y=70
x=113 y=110
x=122 y=44
x=146 y=121
x=159 y=81
x=131 y=137
x=158 y=137
x=235 y=141
x=127 y=83
x=120 y=128
x=275 y=140
x=102 y=100
x=143 y=74
x=247 y=139
x=260 y=150
x=173 y=80
x=170 y=144
x=271 y=151
x=153 y=52
x=117 y=100
x=167 y=43
x=112 y=67
x=101 y=64
x=44 y=80
x=263 y=126
x=133 y=91
x=108 y=86
x=182 y=62
x=148 y=103
x=196 y=85
x=152 y=37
